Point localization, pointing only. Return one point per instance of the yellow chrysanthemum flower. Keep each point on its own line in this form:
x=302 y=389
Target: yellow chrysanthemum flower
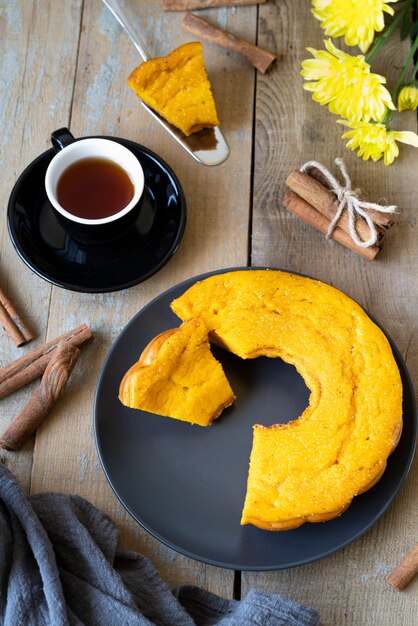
x=355 y=20
x=374 y=141
x=408 y=98
x=346 y=84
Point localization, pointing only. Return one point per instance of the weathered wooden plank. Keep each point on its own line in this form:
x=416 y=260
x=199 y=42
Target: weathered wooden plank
x=37 y=52
x=216 y=236
x=290 y=130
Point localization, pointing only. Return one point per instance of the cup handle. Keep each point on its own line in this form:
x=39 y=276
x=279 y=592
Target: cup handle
x=61 y=138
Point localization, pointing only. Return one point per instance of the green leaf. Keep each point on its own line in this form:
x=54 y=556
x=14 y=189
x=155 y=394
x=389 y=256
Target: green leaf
x=414 y=30
x=405 y=25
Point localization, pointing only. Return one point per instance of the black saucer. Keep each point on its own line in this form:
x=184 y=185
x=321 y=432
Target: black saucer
x=97 y=267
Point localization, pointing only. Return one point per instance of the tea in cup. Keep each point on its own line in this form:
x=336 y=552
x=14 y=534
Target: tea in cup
x=92 y=181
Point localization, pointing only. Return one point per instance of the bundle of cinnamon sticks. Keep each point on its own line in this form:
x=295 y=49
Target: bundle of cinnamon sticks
x=310 y=199
x=54 y=362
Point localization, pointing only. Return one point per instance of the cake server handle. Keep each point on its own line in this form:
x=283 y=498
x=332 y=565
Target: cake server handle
x=208 y=146
x=124 y=22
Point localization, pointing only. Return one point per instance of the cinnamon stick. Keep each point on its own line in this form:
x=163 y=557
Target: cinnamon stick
x=306 y=212
x=32 y=365
x=260 y=58
x=12 y=323
x=53 y=382
x=325 y=201
x=405 y=571
x=189 y=5
x=381 y=220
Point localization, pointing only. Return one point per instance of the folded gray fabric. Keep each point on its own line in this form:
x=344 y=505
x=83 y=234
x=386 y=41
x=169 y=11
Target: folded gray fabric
x=60 y=566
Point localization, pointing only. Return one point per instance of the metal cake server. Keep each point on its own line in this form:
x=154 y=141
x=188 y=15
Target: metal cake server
x=208 y=146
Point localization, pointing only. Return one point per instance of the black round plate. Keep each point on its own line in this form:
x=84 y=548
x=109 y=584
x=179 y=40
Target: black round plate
x=186 y=484
x=126 y=260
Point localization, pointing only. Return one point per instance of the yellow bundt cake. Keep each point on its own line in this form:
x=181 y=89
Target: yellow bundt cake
x=177 y=87
x=311 y=468
x=177 y=376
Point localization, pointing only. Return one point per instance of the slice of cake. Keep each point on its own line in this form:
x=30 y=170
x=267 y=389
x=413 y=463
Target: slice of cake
x=177 y=376
x=177 y=88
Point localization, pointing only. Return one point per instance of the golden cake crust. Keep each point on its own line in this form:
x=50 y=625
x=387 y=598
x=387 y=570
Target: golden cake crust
x=311 y=468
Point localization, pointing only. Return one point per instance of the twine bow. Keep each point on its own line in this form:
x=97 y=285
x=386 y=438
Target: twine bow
x=349 y=200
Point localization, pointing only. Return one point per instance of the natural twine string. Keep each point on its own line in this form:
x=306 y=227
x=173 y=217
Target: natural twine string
x=349 y=199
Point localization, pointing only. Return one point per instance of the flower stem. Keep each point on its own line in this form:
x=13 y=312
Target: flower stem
x=387 y=117
x=387 y=33
x=404 y=68
x=414 y=71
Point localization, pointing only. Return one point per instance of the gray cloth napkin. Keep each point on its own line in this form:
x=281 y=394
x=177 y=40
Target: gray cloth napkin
x=60 y=566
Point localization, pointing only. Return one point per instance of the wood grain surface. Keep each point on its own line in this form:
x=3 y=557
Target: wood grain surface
x=66 y=64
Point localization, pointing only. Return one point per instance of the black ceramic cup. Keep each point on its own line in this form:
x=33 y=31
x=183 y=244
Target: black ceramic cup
x=80 y=153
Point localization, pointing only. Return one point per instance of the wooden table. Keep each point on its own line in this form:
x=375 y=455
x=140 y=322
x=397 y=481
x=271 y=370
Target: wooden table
x=66 y=64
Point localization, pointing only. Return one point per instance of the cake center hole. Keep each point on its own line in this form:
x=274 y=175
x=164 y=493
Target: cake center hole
x=269 y=390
